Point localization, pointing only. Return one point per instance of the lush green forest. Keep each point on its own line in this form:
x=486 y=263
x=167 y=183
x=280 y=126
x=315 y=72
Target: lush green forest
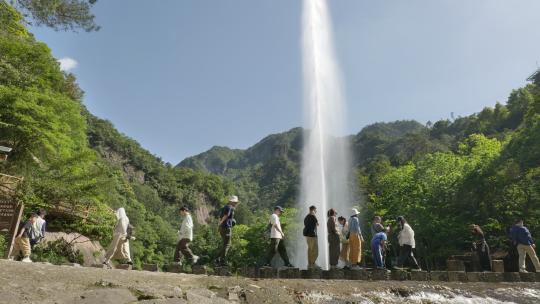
x=442 y=176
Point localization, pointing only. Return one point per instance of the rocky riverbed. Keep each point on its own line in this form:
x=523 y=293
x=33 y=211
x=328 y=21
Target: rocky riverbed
x=41 y=283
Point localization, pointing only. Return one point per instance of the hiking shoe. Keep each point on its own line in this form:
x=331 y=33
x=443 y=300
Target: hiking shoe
x=26 y=260
x=108 y=265
x=130 y=263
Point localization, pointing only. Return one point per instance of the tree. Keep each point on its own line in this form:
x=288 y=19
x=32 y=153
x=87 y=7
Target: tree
x=59 y=14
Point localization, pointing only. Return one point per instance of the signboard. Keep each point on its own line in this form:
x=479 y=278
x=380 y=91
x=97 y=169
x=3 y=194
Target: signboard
x=10 y=216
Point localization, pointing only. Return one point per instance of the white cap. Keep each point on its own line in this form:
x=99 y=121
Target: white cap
x=233 y=199
x=355 y=211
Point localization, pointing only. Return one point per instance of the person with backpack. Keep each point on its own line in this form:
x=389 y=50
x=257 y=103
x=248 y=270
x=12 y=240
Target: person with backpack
x=119 y=247
x=378 y=243
x=225 y=225
x=522 y=239
x=22 y=240
x=406 y=243
x=481 y=247
x=355 y=240
x=186 y=236
x=39 y=228
x=276 y=239
x=310 y=233
x=333 y=238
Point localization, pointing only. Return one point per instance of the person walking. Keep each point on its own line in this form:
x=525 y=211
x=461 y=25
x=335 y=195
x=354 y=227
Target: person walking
x=186 y=236
x=225 y=225
x=22 y=240
x=310 y=233
x=333 y=238
x=344 y=231
x=276 y=239
x=39 y=228
x=378 y=244
x=355 y=240
x=480 y=246
x=522 y=239
x=119 y=247
x=406 y=243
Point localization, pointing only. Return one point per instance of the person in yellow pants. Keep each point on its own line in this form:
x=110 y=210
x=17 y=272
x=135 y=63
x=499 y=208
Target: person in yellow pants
x=22 y=240
x=355 y=240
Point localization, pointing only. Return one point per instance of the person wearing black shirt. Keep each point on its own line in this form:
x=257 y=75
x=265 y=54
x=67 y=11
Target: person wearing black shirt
x=310 y=232
x=226 y=223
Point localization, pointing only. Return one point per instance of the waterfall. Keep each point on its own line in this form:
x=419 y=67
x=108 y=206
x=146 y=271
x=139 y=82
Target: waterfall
x=326 y=163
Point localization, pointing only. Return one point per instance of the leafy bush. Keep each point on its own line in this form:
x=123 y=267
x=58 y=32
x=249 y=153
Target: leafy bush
x=56 y=252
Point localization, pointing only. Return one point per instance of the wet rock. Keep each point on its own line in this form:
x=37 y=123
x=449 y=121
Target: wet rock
x=357 y=274
x=289 y=273
x=310 y=274
x=511 y=277
x=438 y=276
x=267 y=273
x=380 y=274
x=105 y=296
x=492 y=277
x=399 y=275
x=528 y=276
x=199 y=269
x=457 y=276
x=497 y=265
x=150 y=267
x=333 y=274
x=474 y=276
x=417 y=275
x=455 y=265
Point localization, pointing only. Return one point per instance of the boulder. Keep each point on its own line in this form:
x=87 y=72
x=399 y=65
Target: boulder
x=91 y=251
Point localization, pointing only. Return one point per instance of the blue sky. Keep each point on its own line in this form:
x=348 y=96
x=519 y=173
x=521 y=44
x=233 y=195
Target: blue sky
x=183 y=76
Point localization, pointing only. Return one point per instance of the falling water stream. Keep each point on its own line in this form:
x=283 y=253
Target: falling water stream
x=326 y=162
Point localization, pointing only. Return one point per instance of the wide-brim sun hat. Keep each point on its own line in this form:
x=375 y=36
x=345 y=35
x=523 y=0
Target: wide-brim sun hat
x=233 y=199
x=355 y=211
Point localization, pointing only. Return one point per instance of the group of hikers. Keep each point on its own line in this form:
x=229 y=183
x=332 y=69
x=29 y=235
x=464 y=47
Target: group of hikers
x=345 y=239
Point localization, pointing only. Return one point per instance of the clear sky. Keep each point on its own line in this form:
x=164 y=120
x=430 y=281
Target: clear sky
x=183 y=76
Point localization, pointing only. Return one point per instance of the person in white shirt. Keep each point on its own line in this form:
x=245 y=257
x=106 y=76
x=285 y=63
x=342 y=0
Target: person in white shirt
x=276 y=238
x=186 y=236
x=406 y=243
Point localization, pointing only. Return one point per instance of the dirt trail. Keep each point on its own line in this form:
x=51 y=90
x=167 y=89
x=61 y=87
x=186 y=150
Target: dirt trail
x=41 y=283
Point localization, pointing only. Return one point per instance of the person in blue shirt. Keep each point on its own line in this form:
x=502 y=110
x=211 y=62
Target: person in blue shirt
x=377 y=248
x=522 y=239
